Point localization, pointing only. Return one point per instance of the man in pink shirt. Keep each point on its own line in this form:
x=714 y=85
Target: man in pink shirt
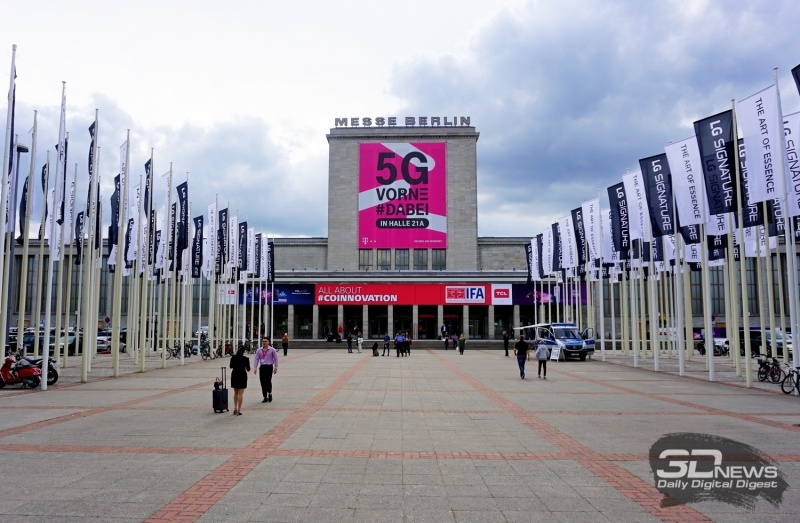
x=267 y=362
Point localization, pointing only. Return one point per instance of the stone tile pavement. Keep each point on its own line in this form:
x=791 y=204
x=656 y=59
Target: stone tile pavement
x=433 y=437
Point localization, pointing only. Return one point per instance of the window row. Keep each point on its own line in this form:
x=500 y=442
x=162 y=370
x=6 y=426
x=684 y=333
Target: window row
x=383 y=260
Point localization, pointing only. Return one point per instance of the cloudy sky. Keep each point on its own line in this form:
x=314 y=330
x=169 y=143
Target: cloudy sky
x=566 y=94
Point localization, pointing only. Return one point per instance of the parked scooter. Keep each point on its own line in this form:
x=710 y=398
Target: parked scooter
x=19 y=371
x=52 y=367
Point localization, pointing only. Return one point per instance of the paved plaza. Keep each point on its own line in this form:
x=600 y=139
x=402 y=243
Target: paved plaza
x=434 y=437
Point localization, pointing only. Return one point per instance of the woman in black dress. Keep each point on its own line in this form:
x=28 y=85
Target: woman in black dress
x=240 y=366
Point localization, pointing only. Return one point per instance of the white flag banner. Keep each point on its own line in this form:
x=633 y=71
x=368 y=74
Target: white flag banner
x=207 y=258
x=161 y=250
x=759 y=119
x=233 y=241
x=640 y=219
x=688 y=186
x=591 y=226
x=569 y=254
x=669 y=247
x=693 y=254
x=534 y=259
x=791 y=133
x=718 y=224
x=133 y=247
x=69 y=211
x=609 y=256
x=212 y=234
x=251 y=250
x=547 y=251
x=123 y=182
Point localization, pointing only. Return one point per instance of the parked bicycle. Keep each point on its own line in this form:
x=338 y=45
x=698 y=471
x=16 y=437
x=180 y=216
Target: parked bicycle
x=791 y=382
x=770 y=370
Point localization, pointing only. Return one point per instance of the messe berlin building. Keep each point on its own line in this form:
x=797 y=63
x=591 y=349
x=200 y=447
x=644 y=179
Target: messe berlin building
x=402 y=252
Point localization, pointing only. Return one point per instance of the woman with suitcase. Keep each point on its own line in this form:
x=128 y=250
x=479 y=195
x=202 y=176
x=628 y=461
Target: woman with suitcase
x=240 y=366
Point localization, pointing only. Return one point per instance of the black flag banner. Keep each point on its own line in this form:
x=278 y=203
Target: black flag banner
x=691 y=234
x=79 y=220
x=242 y=261
x=270 y=261
x=715 y=141
x=62 y=184
x=618 y=212
x=23 y=207
x=796 y=75
x=148 y=184
x=44 y=200
x=128 y=232
x=776 y=222
x=556 y=248
x=529 y=259
x=113 y=229
x=258 y=256
x=223 y=238
x=580 y=234
x=539 y=246
x=658 y=191
x=151 y=240
x=716 y=247
x=197 y=247
x=751 y=214
x=183 y=222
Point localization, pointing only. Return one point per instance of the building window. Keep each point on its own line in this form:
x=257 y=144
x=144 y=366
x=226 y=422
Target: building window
x=438 y=259
x=384 y=259
x=420 y=259
x=401 y=259
x=365 y=259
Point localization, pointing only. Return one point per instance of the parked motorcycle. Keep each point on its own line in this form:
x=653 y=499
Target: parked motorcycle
x=52 y=366
x=19 y=371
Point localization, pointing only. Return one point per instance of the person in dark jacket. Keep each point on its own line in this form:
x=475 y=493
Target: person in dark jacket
x=521 y=350
x=505 y=341
x=240 y=366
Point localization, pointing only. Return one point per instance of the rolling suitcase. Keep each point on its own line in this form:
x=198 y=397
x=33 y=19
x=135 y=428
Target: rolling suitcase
x=220 y=394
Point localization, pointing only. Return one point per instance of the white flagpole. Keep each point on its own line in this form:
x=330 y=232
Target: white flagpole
x=23 y=281
x=71 y=227
x=116 y=314
x=87 y=344
x=791 y=259
x=7 y=152
x=37 y=306
x=55 y=246
x=144 y=254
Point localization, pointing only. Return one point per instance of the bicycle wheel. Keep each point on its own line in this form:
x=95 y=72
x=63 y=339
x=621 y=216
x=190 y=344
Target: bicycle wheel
x=789 y=383
x=776 y=375
x=169 y=353
x=762 y=373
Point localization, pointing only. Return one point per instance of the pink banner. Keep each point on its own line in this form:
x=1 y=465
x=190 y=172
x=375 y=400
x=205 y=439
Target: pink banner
x=402 y=200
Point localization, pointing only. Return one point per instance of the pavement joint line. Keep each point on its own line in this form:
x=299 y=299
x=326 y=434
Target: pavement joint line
x=90 y=411
x=753 y=418
x=245 y=460
x=630 y=485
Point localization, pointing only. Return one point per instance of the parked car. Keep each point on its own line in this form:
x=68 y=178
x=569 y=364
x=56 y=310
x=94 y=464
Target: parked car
x=104 y=345
x=202 y=330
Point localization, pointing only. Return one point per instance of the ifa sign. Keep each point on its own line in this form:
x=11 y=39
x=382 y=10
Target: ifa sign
x=465 y=294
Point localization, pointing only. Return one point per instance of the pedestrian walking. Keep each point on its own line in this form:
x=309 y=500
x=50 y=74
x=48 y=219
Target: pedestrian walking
x=505 y=341
x=521 y=351
x=386 y=340
x=461 y=343
x=446 y=342
x=349 y=343
x=359 y=341
x=398 y=343
x=265 y=365
x=285 y=343
x=542 y=355
x=240 y=366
